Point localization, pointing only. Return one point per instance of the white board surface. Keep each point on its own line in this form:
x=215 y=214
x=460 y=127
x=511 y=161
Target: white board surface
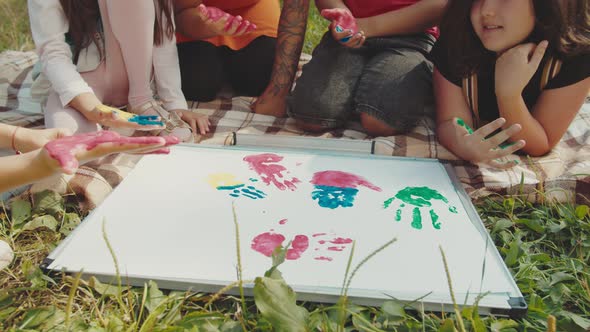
x=171 y=221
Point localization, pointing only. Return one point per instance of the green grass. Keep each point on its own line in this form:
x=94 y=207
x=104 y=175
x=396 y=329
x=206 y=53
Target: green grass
x=546 y=247
x=15 y=33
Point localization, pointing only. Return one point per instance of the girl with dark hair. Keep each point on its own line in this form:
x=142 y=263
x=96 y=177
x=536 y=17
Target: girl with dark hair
x=518 y=71
x=105 y=52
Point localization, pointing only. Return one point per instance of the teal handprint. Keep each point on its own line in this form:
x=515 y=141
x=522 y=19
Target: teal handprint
x=418 y=197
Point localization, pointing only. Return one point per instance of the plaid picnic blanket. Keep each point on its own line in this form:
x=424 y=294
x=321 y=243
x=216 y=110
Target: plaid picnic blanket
x=563 y=175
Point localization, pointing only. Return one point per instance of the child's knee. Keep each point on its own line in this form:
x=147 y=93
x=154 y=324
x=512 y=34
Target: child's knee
x=310 y=127
x=315 y=114
x=375 y=127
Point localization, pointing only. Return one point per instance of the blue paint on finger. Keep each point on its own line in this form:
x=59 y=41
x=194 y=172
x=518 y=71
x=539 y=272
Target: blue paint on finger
x=345 y=39
x=145 y=122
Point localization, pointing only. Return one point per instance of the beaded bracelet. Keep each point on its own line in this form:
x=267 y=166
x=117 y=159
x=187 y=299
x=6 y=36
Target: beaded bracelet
x=14 y=141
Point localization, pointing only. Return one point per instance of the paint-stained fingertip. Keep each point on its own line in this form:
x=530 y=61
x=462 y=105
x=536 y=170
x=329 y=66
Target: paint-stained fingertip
x=345 y=39
x=171 y=140
x=161 y=151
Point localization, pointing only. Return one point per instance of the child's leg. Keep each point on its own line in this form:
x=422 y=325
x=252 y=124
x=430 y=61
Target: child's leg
x=323 y=95
x=57 y=116
x=249 y=69
x=201 y=70
x=394 y=90
x=131 y=23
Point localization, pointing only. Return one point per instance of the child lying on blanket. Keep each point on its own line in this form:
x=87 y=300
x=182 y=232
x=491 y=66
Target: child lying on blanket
x=517 y=71
x=45 y=152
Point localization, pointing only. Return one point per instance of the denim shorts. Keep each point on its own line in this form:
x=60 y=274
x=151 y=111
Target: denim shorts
x=388 y=78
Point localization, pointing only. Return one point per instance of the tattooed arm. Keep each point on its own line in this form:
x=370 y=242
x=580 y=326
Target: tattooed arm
x=290 y=38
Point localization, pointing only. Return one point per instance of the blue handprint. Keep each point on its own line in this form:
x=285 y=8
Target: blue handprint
x=333 y=197
x=228 y=182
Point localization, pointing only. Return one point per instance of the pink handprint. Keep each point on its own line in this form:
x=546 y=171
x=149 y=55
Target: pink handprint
x=266 y=243
x=270 y=172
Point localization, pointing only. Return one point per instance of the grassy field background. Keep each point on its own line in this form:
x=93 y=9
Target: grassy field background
x=545 y=246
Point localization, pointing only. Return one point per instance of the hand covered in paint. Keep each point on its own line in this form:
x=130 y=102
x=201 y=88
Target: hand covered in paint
x=195 y=120
x=478 y=147
x=67 y=153
x=221 y=23
x=516 y=67
x=116 y=118
x=344 y=27
x=27 y=140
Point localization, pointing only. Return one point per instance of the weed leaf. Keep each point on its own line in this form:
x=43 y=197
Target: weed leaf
x=49 y=202
x=103 y=289
x=44 y=221
x=582 y=211
x=583 y=323
x=393 y=309
x=36 y=317
x=447 y=326
x=20 y=210
x=276 y=301
x=71 y=221
x=155 y=297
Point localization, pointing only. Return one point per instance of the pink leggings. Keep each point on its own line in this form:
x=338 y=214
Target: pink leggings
x=123 y=77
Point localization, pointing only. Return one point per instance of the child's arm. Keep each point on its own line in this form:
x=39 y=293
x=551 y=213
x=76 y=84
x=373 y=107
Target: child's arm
x=65 y=155
x=25 y=139
x=408 y=20
x=168 y=85
x=48 y=27
x=553 y=112
x=454 y=123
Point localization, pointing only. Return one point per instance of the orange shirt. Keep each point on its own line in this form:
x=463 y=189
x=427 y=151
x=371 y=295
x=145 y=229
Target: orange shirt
x=264 y=13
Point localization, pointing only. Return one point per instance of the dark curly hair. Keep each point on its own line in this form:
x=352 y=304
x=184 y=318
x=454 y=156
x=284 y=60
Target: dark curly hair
x=83 y=17
x=564 y=23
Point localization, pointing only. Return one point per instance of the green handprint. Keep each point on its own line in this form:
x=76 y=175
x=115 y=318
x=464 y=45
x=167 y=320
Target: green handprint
x=418 y=197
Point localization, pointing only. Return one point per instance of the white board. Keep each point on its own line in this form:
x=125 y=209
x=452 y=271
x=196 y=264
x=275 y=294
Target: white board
x=171 y=222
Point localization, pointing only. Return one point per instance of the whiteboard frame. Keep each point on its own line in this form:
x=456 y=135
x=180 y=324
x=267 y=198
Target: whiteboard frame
x=511 y=303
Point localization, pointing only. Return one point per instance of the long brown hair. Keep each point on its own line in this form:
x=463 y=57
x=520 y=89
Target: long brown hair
x=565 y=24
x=83 y=18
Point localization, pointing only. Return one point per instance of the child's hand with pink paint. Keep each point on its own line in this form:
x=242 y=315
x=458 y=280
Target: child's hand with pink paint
x=67 y=153
x=344 y=27
x=221 y=23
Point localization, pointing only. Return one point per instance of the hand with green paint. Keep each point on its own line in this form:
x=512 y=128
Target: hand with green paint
x=482 y=145
x=419 y=197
